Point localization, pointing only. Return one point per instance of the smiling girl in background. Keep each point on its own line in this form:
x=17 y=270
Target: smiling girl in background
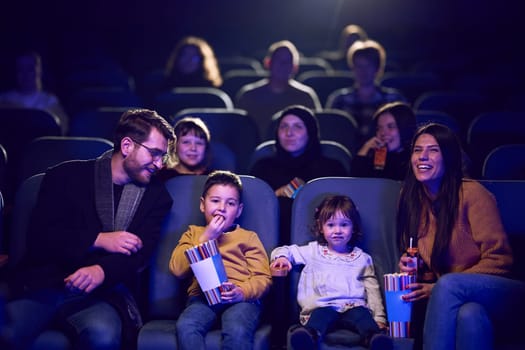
x=387 y=154
x=190 y=154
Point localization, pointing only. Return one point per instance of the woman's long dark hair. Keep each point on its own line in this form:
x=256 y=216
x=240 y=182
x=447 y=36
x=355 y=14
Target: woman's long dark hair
x=415 y=205
x=208 y=72
x=405 y=120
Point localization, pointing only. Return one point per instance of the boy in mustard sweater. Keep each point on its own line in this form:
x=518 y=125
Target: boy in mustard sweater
x=245 y=262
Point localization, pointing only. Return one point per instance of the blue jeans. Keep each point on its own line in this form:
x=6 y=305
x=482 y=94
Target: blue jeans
x=466 y=311
x=95 y=323
x=239 y=322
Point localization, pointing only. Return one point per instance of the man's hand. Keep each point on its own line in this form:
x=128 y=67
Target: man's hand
x=85 y=279
x=118 y=242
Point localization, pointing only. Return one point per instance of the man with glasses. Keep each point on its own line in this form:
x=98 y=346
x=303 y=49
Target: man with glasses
x=94 y=227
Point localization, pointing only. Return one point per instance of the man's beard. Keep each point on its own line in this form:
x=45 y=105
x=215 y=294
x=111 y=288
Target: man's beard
x=135 y=173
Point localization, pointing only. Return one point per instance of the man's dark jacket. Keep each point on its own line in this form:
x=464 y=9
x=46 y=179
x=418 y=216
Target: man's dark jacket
x=65 y=224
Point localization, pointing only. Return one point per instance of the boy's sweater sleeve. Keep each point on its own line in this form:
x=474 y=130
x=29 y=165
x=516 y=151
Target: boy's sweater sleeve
x=179 y=264
x=260 y=278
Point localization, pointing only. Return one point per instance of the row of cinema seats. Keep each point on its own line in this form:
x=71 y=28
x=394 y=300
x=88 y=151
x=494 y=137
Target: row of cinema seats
x=236 y=142
x=92 y=88
x=421 y=90
x=234 y=134
x=231 y=126
x=236 y=72
x=504 y=162
x=313 y=71
x=411 y=79
x=165 y=297
x=462 y=107
x=238 y=134
x=486 y=131
x=335 y=125
x=99 y=81
x=46 y=151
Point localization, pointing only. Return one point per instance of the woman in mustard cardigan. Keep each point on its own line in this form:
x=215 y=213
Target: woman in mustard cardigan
x=465 y=256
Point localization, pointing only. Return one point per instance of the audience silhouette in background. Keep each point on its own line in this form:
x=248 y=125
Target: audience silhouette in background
x=192 y=63
x=190 y=153
x=367 y=60
x=267 y=96
x=298 y=159
x=29 y=92
x=387 y=154
x=349 y=35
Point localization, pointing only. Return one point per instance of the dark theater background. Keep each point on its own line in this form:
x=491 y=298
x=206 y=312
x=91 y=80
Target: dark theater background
x=465 y=46
x=140 y=34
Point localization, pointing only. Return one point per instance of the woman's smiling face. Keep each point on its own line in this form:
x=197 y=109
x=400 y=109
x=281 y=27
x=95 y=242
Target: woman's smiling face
x=388 y=132
x=292 y=134
x=427 y=162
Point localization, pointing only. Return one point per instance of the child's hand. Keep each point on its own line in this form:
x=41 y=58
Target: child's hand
x=281 y=191
x=230 y=293
x=382 y=326
x=281 y=263
x=214 y=228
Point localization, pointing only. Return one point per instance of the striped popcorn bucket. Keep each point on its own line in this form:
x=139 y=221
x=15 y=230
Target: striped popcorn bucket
x=208 y=268
x=397 y=309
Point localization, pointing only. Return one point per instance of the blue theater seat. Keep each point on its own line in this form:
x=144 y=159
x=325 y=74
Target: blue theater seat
x=167 y=293
x=376 y=200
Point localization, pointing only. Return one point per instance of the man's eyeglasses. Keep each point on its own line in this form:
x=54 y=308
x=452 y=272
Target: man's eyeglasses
x=156 y=154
